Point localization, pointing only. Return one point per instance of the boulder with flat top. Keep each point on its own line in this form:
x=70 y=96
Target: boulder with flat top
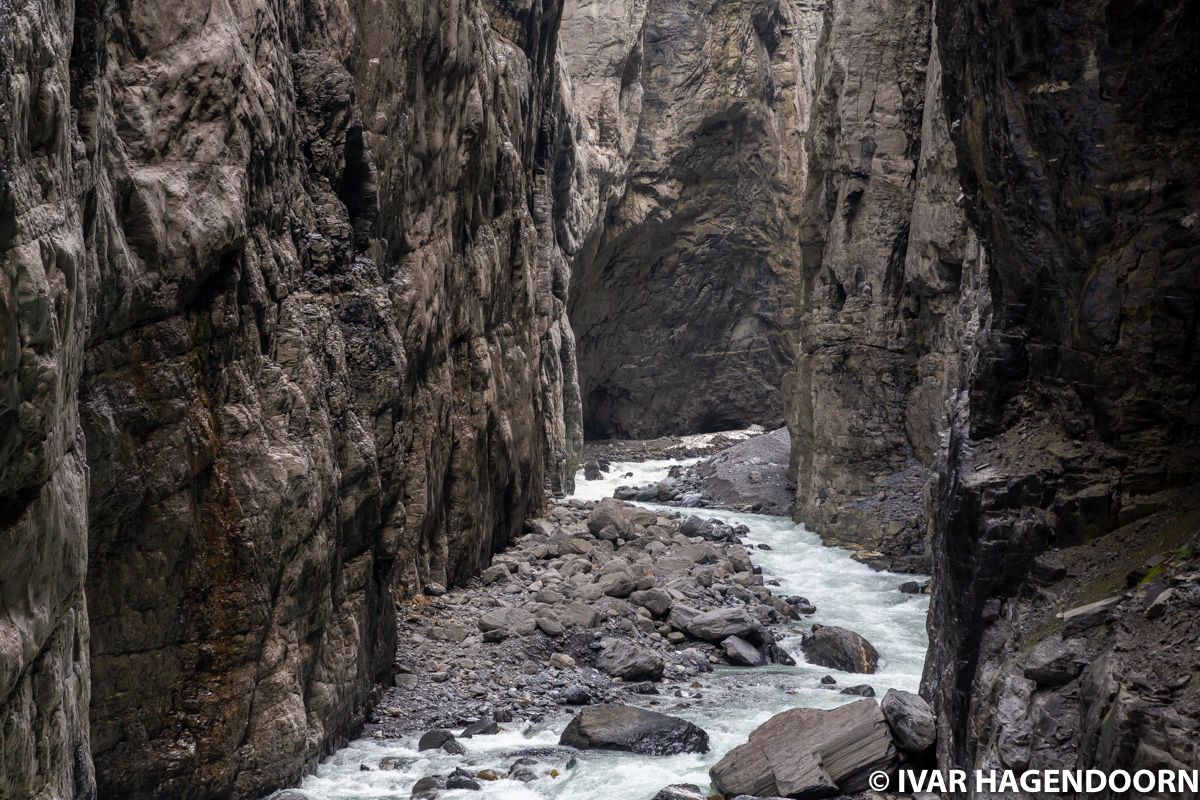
x=808 y=753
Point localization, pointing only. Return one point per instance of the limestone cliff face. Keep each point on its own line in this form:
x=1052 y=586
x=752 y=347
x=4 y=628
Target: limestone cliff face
x=682 y=297
x=887 y=290
x=1075 y=128
x=283 y=335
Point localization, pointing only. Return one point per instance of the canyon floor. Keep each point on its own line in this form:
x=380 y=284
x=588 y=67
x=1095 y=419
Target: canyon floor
x=607 y=602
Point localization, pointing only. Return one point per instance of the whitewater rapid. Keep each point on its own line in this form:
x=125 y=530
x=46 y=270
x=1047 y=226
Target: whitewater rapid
x=728 y=704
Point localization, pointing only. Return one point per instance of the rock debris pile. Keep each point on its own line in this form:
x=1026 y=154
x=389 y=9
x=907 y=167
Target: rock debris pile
x=596 y=603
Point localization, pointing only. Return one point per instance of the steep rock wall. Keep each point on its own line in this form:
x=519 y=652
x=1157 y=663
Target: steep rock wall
x=1075 y=430
x=284 y=336
x=44 y=665
x=888 y=290
x=681 y=298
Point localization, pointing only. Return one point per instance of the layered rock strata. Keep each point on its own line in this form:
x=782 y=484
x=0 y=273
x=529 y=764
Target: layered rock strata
x=1075 y=421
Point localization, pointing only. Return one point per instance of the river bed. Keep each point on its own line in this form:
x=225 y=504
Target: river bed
x=728 y=704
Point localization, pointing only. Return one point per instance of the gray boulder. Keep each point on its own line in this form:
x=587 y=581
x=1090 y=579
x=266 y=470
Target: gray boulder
x=463 y=782
x=496 y=572
x=580 y=615
x=714 y=626
x=910 y=719
x=1092 y=615
x=549 y=624
x=634 y=730
x=657 y=601
x=839 y=648
x=484 y=727
x=810 y=753
x=695 y=526
x=509 y=621
x=1053 y=662
x=642 y=516
x=617 y=584
x=621 y=659
x=681 y=616
x=742 y=653
x=435 y=739
x=576 y=696
x=427 y=788
x=608 y=512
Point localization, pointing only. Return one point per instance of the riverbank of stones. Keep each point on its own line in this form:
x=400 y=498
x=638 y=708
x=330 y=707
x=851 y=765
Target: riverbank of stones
x=597 y=603
x=700 y=445
x=753 y=475
x=750 y=476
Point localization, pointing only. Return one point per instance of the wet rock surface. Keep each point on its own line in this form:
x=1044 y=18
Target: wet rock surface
x=1065 y=669
x=636 y=730
x=839 y=648
x=681 y=300
x=1073 y=430
x=282 y=333
x=891 y=280
x=910 y=719
x=284 y=340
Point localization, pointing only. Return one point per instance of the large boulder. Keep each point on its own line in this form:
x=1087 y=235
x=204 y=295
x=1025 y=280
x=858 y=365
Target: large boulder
x=807 y=753
x=635 y=730
x=657 y=601
x=911 y=720
x=741 y=652
x=681 y=616
x=580 y=615
x=509 y=621
x=715 y=626
x=435 y=739
x=608 y=512
x=629 y=662
x=839 y=648
x=1054 y=661
x=617 y=584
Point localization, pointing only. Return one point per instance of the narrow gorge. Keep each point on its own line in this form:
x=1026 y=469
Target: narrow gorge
x=308 y=308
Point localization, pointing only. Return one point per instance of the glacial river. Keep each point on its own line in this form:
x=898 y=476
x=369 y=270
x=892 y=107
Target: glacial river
x=731 y=701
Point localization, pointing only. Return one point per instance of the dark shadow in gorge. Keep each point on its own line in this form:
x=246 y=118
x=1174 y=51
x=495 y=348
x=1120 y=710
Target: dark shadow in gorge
x=679 y=300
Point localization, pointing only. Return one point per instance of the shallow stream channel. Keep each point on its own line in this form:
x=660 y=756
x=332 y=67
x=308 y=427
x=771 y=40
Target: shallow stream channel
x=729 y=703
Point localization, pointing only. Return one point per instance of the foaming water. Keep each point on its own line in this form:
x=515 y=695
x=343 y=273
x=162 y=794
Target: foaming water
x=729 y=704
x=626 y=473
